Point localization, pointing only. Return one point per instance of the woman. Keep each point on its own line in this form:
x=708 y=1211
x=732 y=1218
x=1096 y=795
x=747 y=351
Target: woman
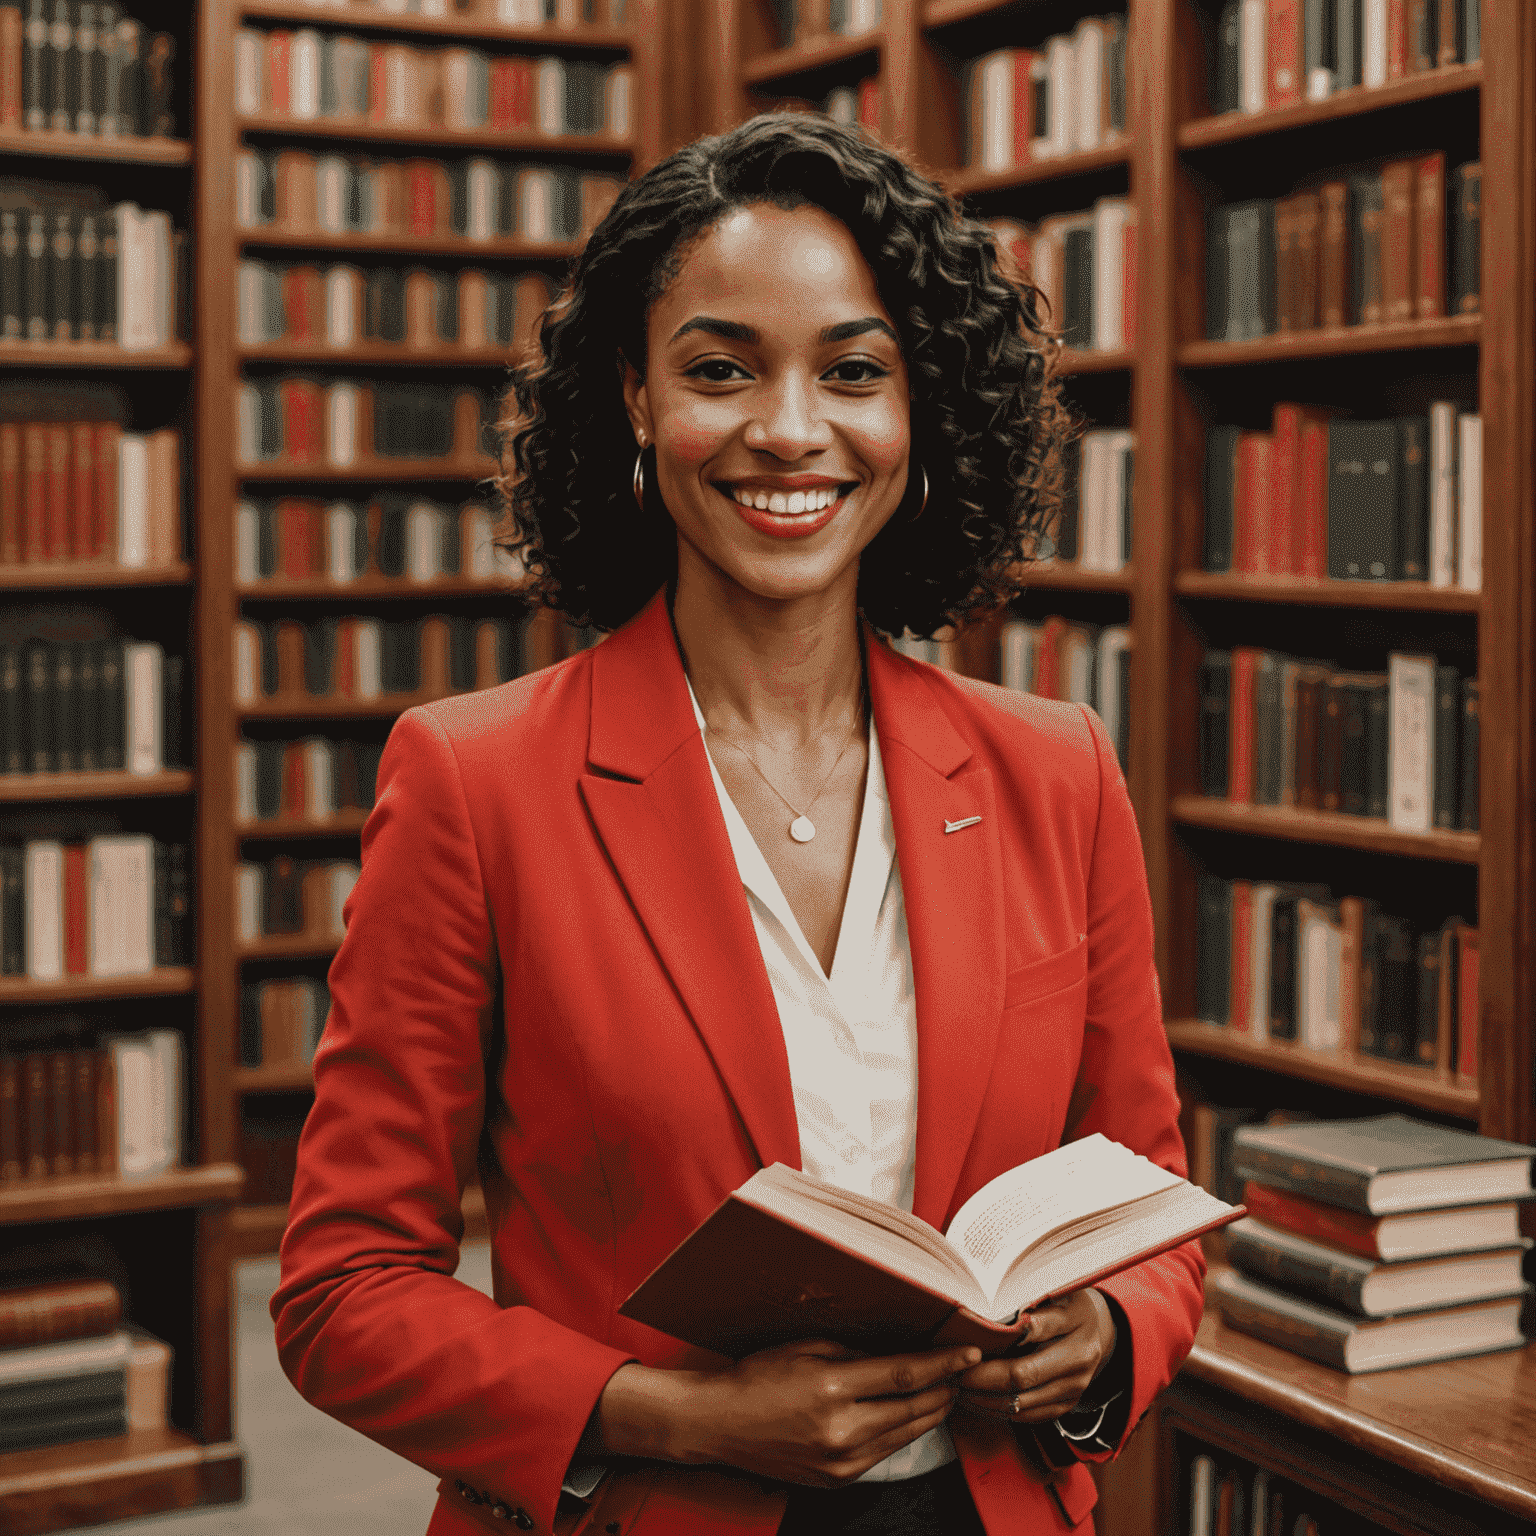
x=740 y=885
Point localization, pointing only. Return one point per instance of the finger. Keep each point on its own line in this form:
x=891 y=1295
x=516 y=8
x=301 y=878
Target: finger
x=902 y=1375
x=1058 y=1361
x=884 y=1415
x=989 y=1376
x=1052 y=1321
x=875 y=1451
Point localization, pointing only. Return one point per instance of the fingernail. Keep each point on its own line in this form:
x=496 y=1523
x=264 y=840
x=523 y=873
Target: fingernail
x=972 y=1357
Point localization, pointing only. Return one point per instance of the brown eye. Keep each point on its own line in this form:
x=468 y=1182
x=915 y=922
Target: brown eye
x=857 y=370
x=718 y=370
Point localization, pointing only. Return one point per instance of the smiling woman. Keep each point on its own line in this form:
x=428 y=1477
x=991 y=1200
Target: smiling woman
x=738 y=886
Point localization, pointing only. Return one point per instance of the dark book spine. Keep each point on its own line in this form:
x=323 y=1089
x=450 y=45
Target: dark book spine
x=40 y=714
x=13 y=313
x=1268 y=729
x=1367 y=210
x=83 y=69
x=130 y=77
x=156 y=116
x=1468 y=808
x=172 y=711
x=87 y=279
x=1220 y=487
x=66 y=711
x=1262 y=320
x=1226 y=91
x=35 y=276
x=1213 y=950
x=180 y=860
x=160 y=908
x=13 y=740
x=1352 y=765
x=284 y=897
x=266 y=539
x=1413 y=498
x=392 y=536
x=1218 y=275
x=1282 y=966
x=88 y=690
x=1215 y=723
x=320 y=657
x=106 y=276
x=250 y=1025
x=34 y=67
x=1362 y=500
x=1332 y=1277
x=269 y=779
x=1466 y=239
x=461 y=653
x=1077 y=288
x=13 y=912
x=1396 y=990
x=1447 y=739
x=104 y=70
x=1069 y=517
x=1347 y=29
x=1426 y=1032
x=1317 y=40
x=61 y=39
x=111 y=691
x=1378 y=745
x=61 y=276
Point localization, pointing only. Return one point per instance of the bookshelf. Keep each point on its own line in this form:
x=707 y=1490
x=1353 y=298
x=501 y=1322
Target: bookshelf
x=1176 y=160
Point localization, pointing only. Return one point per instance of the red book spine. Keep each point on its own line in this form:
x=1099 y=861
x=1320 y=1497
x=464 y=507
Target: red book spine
x=294 y=311
x=1284 y=464
x=10 y=66
x=34 y=1119
x=104 y=504
x=1397 y=241
x=1314 y=498
x=75 y=910
x=1048 y=658
x=869 y=103
x=1250 y=532
x=1429 y=237
x=1128 y=270
x=501 y=94
x=1240 y=727
x=1284 y=36
x=82 y=524
x=301 y=420
x=290 y=539
x=10 y=493
x=1240 y=1009
x=522 y=93
x=1397 y=39
x=277 y=71
x=1467 y=1014
x=378 y=96
x=423 y=196
x=344 y=674
x=1023 y=105
x=293 y=780
x=1309 y=1218
x=34 y=491
x=56 y=491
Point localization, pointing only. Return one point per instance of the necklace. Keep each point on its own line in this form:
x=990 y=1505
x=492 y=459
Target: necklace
x=802 y=828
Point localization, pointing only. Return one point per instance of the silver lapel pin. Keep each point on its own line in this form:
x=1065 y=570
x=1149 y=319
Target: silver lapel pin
x=958 y=826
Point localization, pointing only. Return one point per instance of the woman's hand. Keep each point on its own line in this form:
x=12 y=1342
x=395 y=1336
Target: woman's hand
x=1073 y=1338
x=809 y=1412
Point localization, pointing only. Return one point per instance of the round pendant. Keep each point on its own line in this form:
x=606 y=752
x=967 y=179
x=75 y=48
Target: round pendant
x=802 y=829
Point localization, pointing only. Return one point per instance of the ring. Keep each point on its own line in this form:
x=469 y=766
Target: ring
x=1013 y=1407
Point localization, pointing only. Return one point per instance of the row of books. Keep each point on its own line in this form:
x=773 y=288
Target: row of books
x=292 y=191
x=1396 y=500
x=1275 y=53
x=1284 y=961
x=1227 y=1496
x=1084 y=266
x=1094 y=525
x=113 y=1106
x=1076 y=662
x=510 y=13
x=1399 y=745
x=309 y=780
x=1309 y=1274
x=1363 y=250
x=337 y=423
x=90 y=706
x=1062 y=98
x=369 y=658
x=87 y=492
x=281 y=1021
x=309 y=76
x=72 y=66
x=116 y=905
x=342 y=306
x=297 y=538
x=803 y=21
x=284 y=895
x=73 y=269
x=855 y=106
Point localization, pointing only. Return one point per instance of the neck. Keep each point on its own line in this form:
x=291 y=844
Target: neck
x=784 y=672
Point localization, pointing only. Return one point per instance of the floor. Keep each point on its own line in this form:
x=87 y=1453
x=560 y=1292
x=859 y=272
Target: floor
x=305 y=1474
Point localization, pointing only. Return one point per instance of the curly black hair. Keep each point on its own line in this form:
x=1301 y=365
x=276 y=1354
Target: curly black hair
x=988 y=425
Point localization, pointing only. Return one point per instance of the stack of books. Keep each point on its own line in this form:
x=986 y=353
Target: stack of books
x=1076 y=662
x=1377 y=1243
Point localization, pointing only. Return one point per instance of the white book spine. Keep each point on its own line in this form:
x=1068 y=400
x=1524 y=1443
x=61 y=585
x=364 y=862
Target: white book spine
x=550 y=78
x=997 y=111
x=1442 y=494
x=331 y=194
x=319 y=779
x=456 y=88
x=1469 y=503
x=121 y=936
x=1313 y=982
x=1062 y=63
x=341 y=445
x=1373 y=42
x=1410 y=742
x=304 y=75
x=343 y=878
x=1109 y=273
x=143 y=674
x=1259 y=963
x=133 y=500
x=475 y=540
x=247 y=662
x=249 y=327
x=421 y=541
x=247 y=568
x=368 y=664
x=481 y=197
x=1088 y=87
x=618 y=101
x=245 y=781
x=249 y=53
x=1332 y=1028
x=165 y=1053
x=250 y=881
x=247 y=172
x=342 y=293
x=247 y=416
x=1253 y=56
x=1094 y=511
x=398 y=64
x=536 y=214
x=340 y=528
x=133 y=1065
x=43 y=898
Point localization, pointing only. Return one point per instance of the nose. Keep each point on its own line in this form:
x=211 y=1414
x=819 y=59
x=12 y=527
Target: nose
x=787 y=423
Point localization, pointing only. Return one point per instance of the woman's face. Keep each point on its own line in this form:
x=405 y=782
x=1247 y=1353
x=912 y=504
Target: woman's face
x=777 y=399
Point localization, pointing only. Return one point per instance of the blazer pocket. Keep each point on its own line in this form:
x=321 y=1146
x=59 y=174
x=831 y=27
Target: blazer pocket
x=1040 y=978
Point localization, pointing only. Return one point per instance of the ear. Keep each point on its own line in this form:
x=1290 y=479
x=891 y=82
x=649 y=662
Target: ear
x=636 y=402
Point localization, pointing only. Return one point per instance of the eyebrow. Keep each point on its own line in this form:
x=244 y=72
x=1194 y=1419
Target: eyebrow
x=733 y=330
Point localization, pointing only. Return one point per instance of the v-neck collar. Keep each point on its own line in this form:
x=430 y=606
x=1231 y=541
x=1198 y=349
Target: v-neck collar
x=873 y=855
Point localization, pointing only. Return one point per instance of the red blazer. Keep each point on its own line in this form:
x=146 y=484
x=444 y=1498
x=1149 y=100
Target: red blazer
x=550 y=973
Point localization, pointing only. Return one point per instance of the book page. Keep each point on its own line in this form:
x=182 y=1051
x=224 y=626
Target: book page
x=1007 y=1217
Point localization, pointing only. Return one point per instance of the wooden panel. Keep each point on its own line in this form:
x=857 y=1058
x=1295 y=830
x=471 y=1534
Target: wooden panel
x=69 y=1197
x=1330 y=827
x=83 y=146
x=342 y=824
x=93 y=354
x=1342 y=341
x=1400 y=596
x=21 y=788
x=37 y=578
x=163 y=981
x=970 y=179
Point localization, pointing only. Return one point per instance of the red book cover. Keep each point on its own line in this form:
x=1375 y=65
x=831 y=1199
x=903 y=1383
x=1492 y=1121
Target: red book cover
x=293 y=779
x=1048 y=658
x=1397 y=241
x=523 y=113
x=1313 y=480
x=296 y=305
x=277 y=70
x=1350 y=1230
x=10 y=66
x=1397 y=39
x=1284 y=491
x=56 y=490
x=1240 y=1016
x=1023 y=104
x=104 y=504
x=75 y=959
x=34 y=491
x=1467 y=1015
x=344 y=673
x=82 y=496
x=1429 y=237
x=378 y=96
x=423 y=199
x=502 y=94
x=1284 y=35
x=300 y=400
x=869 y=103
x=1250 y=523
x=10 y=493
x=1240 y=726
x=1128 y=270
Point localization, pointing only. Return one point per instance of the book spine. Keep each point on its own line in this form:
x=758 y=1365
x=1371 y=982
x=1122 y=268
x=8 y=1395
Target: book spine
x=1466 y=233
x=46 y=1314
x=1220 y=487
x=1301 y=1175
x=1362 y=500
x=1468 y=1012
x=1397 y=242
x=1468 y=811
x=1340 y=1282
x=1413 y=498
x=1334 y=248
x=1429 y=237
x=1411 y=742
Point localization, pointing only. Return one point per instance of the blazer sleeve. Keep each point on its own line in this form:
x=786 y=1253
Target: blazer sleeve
x=371 y=1325
x=1125 y=1085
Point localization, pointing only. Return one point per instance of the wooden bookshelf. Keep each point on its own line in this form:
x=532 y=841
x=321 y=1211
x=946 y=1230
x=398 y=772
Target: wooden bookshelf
x=380 y=471
x=163 y=981
x=35 y=787
x=371 y=19
x=969 y=181
x=371 y=589
x=69 y=574
x=1069 y=576
x=377 y=354
x=507 y=141
x=128 y=150
x=781 y=65
x=287 y=946
x=303 y=708
x=93 y=355
x=285 y=1077
x=1341 y=341
x=1402 y=596
x=471 y=252
x=72 y=1197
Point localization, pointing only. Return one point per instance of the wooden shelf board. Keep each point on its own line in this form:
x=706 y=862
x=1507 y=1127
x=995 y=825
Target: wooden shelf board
x=1406 y=596
x=1095 y=360
x=380 y=354
x=1229 y=127
x=1464 y=1423
x=970 y=181
x=805 y=58
x=380 y=470
x=75 y=574
x=1342 y=341
x=371 y=19
x=335 y=709
x=25 y=787
x=1421 y=1087
x=409 y=245
x=509 y=141
x=165 y=981
x=143 y=1473
x=374 y=588
x=92 y=354
x=1069 y=576
x=285 y=1077
x=86 y=146
x=67 y=1198
x=287 y=946
x=1367 y=833
x=346 y=823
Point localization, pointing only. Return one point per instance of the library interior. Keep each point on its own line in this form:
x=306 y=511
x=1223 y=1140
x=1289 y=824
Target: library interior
x=264 y=265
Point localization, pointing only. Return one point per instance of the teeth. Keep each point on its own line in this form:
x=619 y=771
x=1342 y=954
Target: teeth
x=761 y=503
x=796 y=502
x=778 y=502
x=789 y=506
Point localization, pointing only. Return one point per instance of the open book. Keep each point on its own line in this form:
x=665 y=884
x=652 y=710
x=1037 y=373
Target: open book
x=789 y=1256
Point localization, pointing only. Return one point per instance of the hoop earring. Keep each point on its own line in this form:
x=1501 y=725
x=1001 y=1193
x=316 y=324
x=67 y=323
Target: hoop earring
x=924 y=506
x=639 y=480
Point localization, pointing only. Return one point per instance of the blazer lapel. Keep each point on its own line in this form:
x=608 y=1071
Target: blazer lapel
x=653 y=804
x=952 y=886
